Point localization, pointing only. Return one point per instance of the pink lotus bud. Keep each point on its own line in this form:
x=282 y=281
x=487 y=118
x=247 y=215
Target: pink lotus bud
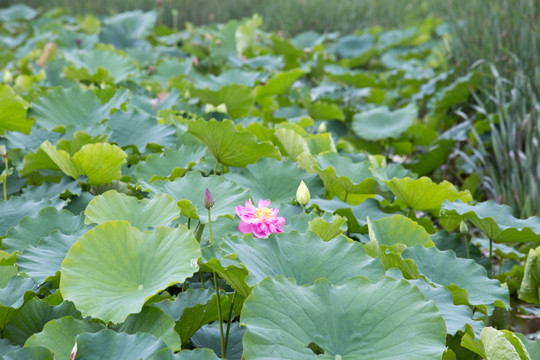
x=207 y=199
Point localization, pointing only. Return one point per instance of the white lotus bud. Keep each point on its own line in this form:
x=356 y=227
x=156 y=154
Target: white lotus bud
x=302 y=194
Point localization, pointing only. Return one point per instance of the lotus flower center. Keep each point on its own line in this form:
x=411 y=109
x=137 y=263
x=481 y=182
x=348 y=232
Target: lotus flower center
x=264 y=213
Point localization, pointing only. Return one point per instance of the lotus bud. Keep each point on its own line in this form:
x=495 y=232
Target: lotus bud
x=8 y=78
x=322 y=128
x=3 y=151
x=207 y=200
x=302 y=194
x=221 y=108
x=463 y=228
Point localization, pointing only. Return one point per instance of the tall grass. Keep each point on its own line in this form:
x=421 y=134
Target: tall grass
x=508 y=161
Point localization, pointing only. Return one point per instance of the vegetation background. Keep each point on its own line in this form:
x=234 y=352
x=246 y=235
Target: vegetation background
x=500 y=38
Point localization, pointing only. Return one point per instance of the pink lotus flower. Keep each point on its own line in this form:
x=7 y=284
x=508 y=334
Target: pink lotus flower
x=261 y=221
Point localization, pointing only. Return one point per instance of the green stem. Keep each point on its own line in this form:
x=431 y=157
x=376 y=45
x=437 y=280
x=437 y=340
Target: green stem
x=467 y=248
x=215 y=167
x=5 y=180
x=491 y=255
x=201 y=279
x=304 y=209
x=189 y=223
x=210 y=228
x=346 y=194
x=229 y=324
x=220 y=317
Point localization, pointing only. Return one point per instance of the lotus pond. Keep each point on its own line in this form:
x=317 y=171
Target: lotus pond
x=223 y=192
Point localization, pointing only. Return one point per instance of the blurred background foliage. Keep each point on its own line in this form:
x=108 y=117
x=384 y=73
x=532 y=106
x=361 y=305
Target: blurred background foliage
x=481 y=29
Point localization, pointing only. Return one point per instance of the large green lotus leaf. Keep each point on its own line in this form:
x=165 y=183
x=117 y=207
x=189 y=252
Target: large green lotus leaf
x=216 y=259
x=109 y=345
x=114 y=268
x=498 y=346
x=529 y=288
x=399 y=229
x=87 y=64
x=58 y=335
x=136 y=24
x=238 y=98
x=327 y=226
x=100 y=162
x=496 y=221
x=321 y=143
x=229 y=77
x=225 y=193
x=304 y=257
x=153 y=321
x=357 y=48
x=17 y=12
x=17 y=291
x=63 y=107
x=170 y=164
x=194 y=308
x=391 y=259
x=455 y=93
x=424 y=194
x=37 y=352
x=532 y=346
x=170 y=68
x=32 y=141
x=208 y=336
x=33 y=316
x=443 y=268
x=275 y=180
x=195 y=354
x=229 y=145
x=292 y=143
x=279 y=83
x=16 y=208
x=356 y=320
x=66 y=186
x=321 y=110
x=356 y=215
x=381 y=123
x=161 y=210
x=139 y=129
x=13 y=112
x=245 y=35
x=6 y=346
x=351 y=182
x=455 y=316
x=359 y=79
x=153 y=105
x=31 y=229
x=43 y=260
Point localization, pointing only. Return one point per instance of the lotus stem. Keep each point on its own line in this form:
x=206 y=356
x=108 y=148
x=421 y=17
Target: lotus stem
x=491 y=255
x=210 y=228
x=229 y=324
x=220 y=317
x=5 y=180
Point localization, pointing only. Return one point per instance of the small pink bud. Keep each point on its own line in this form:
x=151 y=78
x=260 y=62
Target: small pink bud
x=207 y=199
